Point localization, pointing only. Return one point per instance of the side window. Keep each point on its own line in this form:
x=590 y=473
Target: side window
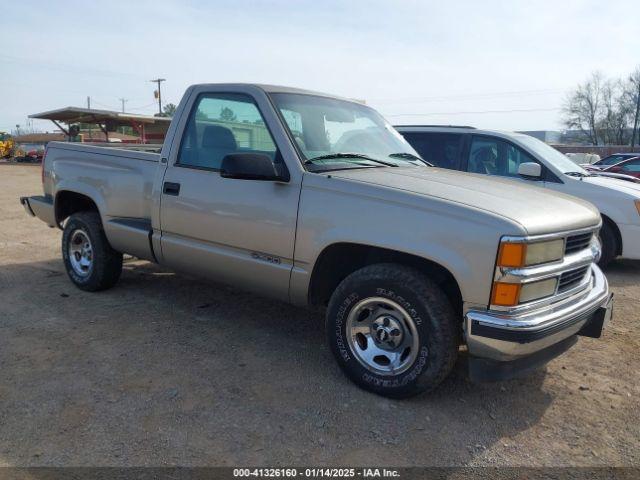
x=612 y=160
x=221 y=124
x=483 y=156
x=491 y=156
x=441 y=149
x=633 y=166
x=516 y=156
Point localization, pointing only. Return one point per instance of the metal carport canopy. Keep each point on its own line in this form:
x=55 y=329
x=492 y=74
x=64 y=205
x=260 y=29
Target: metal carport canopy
x=71 y=115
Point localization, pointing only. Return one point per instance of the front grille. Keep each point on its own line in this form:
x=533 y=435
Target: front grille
x=575 y=243
x=572 y=278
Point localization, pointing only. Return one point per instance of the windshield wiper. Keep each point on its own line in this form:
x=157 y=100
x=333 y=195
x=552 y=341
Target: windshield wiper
x=330 y=156
x=410 y=156
x=578 y=174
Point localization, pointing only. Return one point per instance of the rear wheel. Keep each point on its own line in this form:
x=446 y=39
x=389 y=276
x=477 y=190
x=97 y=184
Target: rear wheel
x=609 y=242
x=90 y=261
x=392 y=330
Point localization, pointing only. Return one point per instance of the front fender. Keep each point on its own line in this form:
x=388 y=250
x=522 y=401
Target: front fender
x=462 y=239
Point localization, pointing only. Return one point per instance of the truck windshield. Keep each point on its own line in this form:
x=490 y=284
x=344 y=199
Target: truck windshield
x=334 y=134
x=552 y=156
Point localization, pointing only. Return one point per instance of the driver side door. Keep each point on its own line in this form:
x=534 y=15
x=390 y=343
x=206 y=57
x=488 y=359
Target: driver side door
x=239 y=232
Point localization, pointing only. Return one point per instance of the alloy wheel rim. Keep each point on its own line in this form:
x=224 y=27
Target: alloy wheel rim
x=382 y=336
x=81 y=253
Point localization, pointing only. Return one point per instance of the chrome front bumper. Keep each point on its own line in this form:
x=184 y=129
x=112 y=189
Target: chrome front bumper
x=501 y=337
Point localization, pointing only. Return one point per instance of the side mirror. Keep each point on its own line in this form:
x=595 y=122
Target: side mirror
x=249 y=166
x=530 y=170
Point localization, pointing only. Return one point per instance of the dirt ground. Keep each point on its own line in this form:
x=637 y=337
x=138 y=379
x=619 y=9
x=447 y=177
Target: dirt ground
x=164 y=369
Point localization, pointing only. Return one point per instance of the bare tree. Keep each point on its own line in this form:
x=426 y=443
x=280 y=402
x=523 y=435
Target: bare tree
x=583 y=107
x=616 y=112
x=634 y=100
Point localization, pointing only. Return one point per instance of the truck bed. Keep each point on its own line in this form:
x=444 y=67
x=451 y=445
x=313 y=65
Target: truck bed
x=119 y=180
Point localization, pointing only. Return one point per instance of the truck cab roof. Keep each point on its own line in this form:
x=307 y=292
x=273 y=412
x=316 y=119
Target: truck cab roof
x=267 y=88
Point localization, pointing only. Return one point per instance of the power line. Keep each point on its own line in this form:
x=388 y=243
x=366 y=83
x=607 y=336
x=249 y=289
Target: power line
x=121 y=107
x=110 y=107
x=142 y=107
x=479 y=96
x=473 y=113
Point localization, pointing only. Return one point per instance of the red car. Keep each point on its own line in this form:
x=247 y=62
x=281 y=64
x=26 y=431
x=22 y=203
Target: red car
x=630 y=166
x=30 y=153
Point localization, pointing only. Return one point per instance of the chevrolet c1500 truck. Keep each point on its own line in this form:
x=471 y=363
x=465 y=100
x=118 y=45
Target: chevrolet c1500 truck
x=317 y=200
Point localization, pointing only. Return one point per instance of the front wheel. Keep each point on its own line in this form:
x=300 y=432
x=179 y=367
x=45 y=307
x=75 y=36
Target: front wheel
x=392 y=330
x=90 y=261
x=609 y=242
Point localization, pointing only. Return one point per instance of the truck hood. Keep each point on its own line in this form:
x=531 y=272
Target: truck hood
x=536 y=209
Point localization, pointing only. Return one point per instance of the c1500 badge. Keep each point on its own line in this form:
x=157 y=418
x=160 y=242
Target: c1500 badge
x=266 y=258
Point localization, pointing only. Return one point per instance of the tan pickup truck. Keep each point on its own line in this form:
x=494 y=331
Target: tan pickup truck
x=312 y=199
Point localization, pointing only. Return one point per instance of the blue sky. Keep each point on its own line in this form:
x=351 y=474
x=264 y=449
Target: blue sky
x=415 y=61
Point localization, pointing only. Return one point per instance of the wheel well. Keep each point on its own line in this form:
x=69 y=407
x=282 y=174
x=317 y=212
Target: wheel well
x=616 y=232
x=338 y=261
x=67 y=203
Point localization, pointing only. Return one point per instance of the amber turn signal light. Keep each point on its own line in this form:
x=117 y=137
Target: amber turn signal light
x=505 y=294
x=512 y=254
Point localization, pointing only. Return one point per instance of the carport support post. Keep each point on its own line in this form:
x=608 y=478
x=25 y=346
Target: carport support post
x=66 y=132
x=104 y=130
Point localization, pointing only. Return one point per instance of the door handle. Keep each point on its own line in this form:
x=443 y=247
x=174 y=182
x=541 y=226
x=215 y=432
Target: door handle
x=171 y=188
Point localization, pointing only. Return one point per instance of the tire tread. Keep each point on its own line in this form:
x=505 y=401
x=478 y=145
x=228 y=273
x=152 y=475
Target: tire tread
x=107 y=265
x=434 y=300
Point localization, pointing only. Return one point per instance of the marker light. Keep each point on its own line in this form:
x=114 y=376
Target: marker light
x=512 y=254
x=505 y=294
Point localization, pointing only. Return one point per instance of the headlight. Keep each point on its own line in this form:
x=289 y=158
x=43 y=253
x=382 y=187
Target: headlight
x=520 y=254
x=528 y=254
x=538 y=290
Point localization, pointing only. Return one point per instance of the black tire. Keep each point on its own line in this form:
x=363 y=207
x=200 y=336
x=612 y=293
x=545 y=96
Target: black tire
x=427 y=306
x=106 y=263
x=609 y=242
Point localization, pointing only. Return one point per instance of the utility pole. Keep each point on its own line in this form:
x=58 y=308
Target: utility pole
x=90 y=127
x=159 y=81
x=636 y=81
x=123 y=100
